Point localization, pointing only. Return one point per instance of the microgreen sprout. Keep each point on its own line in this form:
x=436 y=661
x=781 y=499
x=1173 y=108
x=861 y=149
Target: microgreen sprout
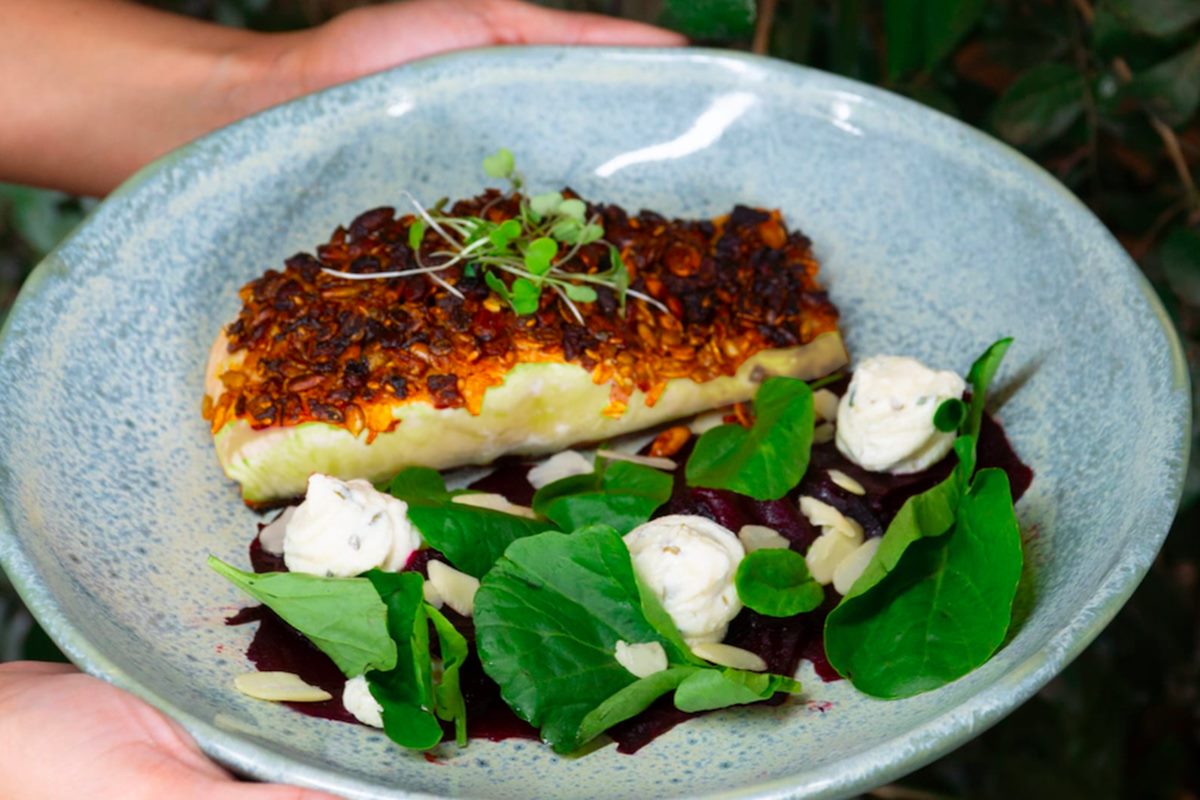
x=533 y=248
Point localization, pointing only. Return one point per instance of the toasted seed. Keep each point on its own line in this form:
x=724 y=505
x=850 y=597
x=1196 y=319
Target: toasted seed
x=727 y=655
x=279 y=686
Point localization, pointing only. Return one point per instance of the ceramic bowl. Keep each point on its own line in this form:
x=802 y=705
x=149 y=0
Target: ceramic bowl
x=935 y=241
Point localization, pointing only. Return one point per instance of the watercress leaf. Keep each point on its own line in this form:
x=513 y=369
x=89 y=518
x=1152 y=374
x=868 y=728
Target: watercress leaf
x=500 y=164
x=525 y=296
x=416 y=234
x=776 y=582
x=344 y=617
x=631 y=701
x=943 y=610
x=448 y=695
x=708 y=689
x=405 y=723
x=545 y=204
x=930 y=513
x=573 y=209
x=580 y=294
x=548 y=617
x=539 y=253
x=471 y=538
x=770 y=458
x=406 y=692
x=616 y=493
x=980 y=378
x=950 y=415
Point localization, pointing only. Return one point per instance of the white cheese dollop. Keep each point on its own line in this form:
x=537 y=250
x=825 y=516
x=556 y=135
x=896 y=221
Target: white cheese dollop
x=344 y=528
x=358 y=700
x=689 y=562
x=885 y=419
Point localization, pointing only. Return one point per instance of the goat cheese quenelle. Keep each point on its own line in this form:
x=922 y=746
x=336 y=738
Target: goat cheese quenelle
x=686 y=493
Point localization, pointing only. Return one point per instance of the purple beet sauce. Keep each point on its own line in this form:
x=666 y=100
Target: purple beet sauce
x=782 y=643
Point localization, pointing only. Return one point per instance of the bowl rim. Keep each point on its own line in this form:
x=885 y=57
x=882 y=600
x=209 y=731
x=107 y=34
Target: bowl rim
x=884 y=761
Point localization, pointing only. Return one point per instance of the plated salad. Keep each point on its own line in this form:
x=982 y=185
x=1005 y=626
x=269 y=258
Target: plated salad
x=860 y=520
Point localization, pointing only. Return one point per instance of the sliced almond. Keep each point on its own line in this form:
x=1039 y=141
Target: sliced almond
x=285 y=687
x=559 y=466
x=852 y=566
x=823 y=433
x=760 y=537
x=456 y=588
x=726 y=655
x=432 y=596
x=825 y=404
x=846 y=482
x=827 y=517
x=495 y=502
x=646 y=461
x=642 y=659
x=707 y=421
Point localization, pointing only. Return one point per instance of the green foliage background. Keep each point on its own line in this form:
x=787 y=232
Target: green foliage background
x=1104 y=95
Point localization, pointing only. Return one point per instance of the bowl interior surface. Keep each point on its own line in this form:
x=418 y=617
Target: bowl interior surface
x=934 y=241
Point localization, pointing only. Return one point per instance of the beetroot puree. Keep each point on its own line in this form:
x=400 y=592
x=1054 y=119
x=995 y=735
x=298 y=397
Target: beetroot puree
x=782 y=643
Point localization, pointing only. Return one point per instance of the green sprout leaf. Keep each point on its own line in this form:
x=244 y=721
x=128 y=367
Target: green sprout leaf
x=416 y=234
x=525 y=296
x=776 y=582
x=500 y=164
x=539 y=254
x=546 y=203
x=580 y=294
x=573 y=209
x=503 y=234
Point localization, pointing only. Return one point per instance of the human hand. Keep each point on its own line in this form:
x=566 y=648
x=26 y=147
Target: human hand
x=65 y=734
x=376 y=37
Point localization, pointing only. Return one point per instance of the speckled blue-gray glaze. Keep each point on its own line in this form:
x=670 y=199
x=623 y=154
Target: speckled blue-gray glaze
x=935 y=241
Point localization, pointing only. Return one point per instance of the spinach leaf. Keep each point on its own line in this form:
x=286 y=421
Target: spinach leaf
x=770 y=458
x=980 y=377
x=707 y=689
x=471 y=538
x=448 y=692
x=945 y=607
x=631 y=701
x=616 y=493
x=406 y=691
x=547 y=621
x=344 y=617
x=776 y=582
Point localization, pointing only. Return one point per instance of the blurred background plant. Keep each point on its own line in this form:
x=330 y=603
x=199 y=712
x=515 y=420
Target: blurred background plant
x=1104 y=95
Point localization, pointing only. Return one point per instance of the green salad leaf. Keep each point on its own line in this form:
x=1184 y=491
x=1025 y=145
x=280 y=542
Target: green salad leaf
x=471 y=538
x=406 y=692
x=776 y=582
x=936 y=599
x=708 y=689
x=616 y=493
x=770 y=458
x=945 y=607
x=447 y=693
x=547 y=621
x=344 y=617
